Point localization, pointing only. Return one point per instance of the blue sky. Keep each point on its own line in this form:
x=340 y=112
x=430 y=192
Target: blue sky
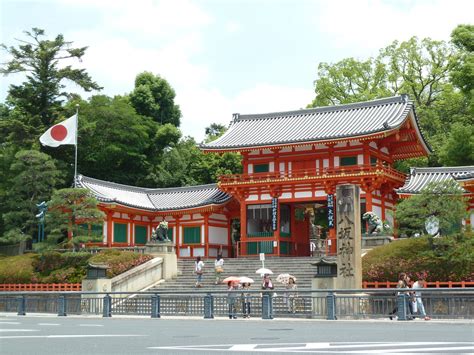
x=225 y=56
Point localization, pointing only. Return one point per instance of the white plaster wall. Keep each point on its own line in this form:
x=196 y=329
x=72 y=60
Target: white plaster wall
x=199 y=251
x=184 y=252
x=384 y=150
x=186 y=217
x=282 y=167
x=202 y=234
x=125 y=216
x=218 y=235
x=286 y=195
x=271 y=167
x=169 y=218
x=354 y=143
x=376 y=200
x=250 y=168
x=360 y=159
x=300 y=194
x=340 y=145
x=252 y=198
x=325 y=163
x=266 y=197
x=373 y=145
x=472 y=220
x=285 y=150
x=218 y=216
x=303 y=148
x=116 y=214
x=320 y=193
x=336 y=161
x=377 y=210
x=197 y=216
x=290 y=166
x=104 y=231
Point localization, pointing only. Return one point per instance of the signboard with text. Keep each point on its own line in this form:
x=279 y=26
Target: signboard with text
x=330 y=211
x=274 y=213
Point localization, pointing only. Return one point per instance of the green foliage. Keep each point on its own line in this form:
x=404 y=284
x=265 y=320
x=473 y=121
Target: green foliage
x=459 y=146
x=443 y=200
x=68 y=208
x=17 y=269
x=154 y=97
x=441 y=259
x=119 y=262
x=214 y=131
x=426 y=70
x=32 y=177
x=41 y=95
x=116 y=143
x=54 y=267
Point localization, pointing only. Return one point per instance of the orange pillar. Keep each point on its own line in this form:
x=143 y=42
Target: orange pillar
x=206 y=234
x=109 y=228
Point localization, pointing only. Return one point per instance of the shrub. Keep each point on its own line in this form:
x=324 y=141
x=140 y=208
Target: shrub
x=441 y=259
x=119 y=262
x=17 y=269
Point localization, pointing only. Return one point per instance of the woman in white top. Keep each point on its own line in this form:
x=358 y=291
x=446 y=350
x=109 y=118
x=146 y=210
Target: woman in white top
x=218 y=268
x=198 y=269
x=419 y=302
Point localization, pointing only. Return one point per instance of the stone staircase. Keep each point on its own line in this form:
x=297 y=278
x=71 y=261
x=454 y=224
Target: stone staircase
x=300 y=267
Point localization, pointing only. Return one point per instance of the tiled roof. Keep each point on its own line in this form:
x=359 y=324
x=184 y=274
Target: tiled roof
x=176 y=198
x=317 y=124
x=420 y=177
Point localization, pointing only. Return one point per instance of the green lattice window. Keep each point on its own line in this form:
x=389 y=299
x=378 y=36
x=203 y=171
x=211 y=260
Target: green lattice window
x=120 y=233
x=94 y=230
x=261 y=168
x=346 y=161
x=373 y=161
x=192 y=235
x=140 y=234
x=170 y=233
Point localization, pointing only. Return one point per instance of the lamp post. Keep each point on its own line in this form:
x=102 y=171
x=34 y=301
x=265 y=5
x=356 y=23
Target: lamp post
x=42 y=207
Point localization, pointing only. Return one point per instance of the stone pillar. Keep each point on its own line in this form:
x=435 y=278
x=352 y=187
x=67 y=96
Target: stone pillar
x=166 y=251
x=349 y=260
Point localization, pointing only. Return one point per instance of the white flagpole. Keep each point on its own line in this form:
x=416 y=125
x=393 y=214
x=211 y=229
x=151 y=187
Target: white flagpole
x=75 y=156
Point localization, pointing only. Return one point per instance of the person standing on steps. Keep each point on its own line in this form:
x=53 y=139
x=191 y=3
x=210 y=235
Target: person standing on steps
x=290 y=294
x=198 y=269
x=218 y=268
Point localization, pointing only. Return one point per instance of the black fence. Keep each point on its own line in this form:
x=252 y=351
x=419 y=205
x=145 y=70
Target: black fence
x=442 y=303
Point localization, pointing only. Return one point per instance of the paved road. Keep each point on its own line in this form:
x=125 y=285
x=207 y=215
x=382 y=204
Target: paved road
x=78 y=335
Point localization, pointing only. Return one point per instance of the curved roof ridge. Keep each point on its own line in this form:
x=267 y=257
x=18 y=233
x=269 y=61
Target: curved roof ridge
x=322 y=109
x=146 y=190
x=442 y=169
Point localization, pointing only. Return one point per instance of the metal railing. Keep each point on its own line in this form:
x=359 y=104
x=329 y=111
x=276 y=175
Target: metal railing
x=441 y=303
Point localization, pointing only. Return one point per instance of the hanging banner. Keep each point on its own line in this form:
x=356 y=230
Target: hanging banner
x=330 y=211
x=274 y=213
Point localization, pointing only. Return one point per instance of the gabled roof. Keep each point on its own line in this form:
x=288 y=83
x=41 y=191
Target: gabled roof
x=316 y=124
x=176 y=198
x=421 y=177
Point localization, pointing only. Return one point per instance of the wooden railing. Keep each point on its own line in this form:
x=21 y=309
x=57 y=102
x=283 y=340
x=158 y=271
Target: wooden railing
x=41 y=287
x=435 y=284
x=349 y=171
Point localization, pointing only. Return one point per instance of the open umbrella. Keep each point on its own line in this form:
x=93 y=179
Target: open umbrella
x=263 y=271
x=246 y=280
x=285 y=278
x=231 y=279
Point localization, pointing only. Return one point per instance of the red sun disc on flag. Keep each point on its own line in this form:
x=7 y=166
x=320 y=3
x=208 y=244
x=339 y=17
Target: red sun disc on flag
x=59 y=132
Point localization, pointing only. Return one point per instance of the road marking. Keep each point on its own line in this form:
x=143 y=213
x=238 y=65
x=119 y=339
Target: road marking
x=346 y=347
x=71 y=336
x=49 y=324
x=91 y=325
x=19 y=330
x=1 y=322
x=242 y=347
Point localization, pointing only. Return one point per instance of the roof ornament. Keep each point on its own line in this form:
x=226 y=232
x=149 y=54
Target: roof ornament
x=235 y=117
x=386 y=125
x=405 y=98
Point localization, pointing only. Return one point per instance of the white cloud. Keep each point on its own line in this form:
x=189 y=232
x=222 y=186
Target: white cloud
x=233 y=27
x=202 y=107
x=369 y=25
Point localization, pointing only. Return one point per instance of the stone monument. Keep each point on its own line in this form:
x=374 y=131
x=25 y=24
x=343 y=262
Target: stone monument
x=349 y=259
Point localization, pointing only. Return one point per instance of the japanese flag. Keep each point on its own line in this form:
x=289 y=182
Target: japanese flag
x=61 y=133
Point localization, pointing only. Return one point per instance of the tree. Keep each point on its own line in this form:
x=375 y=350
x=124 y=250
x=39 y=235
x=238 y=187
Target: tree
x=40 y=97
x=116 y=144
x=33 y=176
x=443 y=200
x=214 y=131
x=459 y=146
x=420 y=68
x=154 y=97
x=463 y=75
x=67 y=209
